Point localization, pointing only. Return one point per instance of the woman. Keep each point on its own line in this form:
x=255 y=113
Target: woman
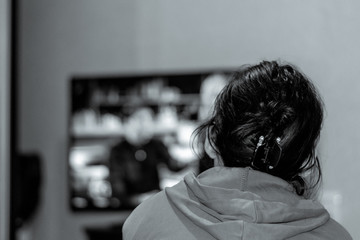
x=261 y=137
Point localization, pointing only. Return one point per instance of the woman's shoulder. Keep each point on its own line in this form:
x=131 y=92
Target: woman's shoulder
x=334 y=230
x=143 y=217
x=155 y=218
x=331 y=230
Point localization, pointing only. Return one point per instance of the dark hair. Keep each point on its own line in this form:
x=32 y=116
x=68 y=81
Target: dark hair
x=273 y=101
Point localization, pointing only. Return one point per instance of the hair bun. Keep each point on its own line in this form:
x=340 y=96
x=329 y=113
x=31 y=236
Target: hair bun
x=275 y=115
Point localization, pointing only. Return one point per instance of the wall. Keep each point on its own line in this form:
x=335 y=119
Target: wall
x=4 y=117
x=63 y=38
x=59 y=39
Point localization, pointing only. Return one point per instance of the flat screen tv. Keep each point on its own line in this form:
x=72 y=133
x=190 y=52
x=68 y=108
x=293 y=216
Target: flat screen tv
x=130 y=135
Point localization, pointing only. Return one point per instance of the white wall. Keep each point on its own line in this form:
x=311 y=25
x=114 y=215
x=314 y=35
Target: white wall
x=4 y=117
x=62 y=38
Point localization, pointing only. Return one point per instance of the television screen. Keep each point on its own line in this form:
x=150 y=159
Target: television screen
x=130 y=136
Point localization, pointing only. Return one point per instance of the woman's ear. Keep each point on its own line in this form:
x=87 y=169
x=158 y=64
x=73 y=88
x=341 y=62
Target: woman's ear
x=210 y=151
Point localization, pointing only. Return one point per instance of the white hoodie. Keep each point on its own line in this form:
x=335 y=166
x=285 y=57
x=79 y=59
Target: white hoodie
x=231 y=203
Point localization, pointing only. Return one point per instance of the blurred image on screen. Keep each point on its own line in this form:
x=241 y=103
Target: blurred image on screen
x=129 y=137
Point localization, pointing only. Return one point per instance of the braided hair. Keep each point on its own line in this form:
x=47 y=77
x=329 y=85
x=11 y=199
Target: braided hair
x=272 y=101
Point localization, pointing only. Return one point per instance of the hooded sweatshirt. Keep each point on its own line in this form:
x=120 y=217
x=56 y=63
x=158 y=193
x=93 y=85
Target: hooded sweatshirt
x=231 y=203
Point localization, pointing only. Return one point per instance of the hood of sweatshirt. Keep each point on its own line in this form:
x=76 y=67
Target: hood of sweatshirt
x=241 y=203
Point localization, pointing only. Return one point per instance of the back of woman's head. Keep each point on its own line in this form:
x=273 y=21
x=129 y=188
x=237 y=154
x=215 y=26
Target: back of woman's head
x=268 y=104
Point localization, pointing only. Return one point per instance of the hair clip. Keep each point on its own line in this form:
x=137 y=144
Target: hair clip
x=258 y=158
x=266 y=157
x=275 y=153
